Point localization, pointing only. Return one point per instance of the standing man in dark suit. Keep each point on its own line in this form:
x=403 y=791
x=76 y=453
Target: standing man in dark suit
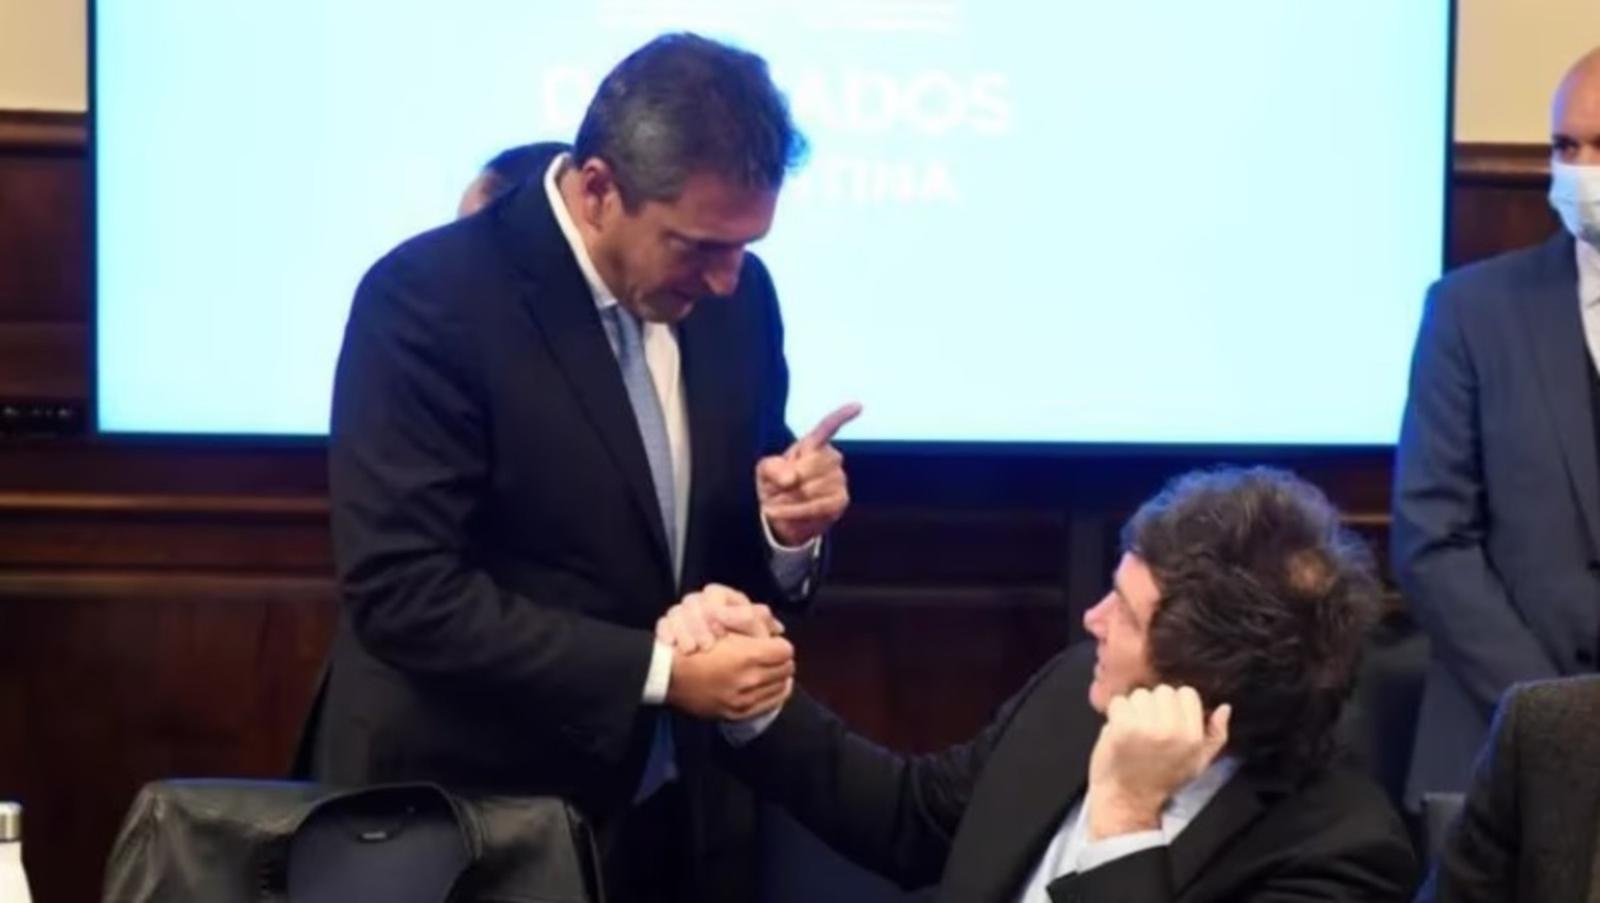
x=1188 y=758
x=551 y=421
x=1528 y=830
x=1496 y=536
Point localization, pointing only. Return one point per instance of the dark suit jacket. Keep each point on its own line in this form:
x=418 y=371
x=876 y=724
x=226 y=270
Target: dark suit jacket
x=977 y=817
x=1528 y=829
x=1496 y=533
x=500 y=552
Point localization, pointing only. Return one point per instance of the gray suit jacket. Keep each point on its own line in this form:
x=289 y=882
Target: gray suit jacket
x=1528 y=830
x=1497 y=497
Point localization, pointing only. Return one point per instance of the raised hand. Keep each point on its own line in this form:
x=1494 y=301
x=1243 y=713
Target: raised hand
x=1154 y=741
x=803 y=491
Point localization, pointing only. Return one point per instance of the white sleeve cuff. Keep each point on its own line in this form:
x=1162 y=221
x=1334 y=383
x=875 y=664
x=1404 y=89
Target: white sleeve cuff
x=738 y=733
x=1099 y=852
x=660 y=676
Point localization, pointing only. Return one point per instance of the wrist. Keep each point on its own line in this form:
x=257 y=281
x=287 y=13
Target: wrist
x=784 y=536
x=1116 y=811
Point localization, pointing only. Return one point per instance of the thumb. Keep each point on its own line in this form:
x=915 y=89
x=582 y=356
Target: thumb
x=772 y=651
x=1217 y=730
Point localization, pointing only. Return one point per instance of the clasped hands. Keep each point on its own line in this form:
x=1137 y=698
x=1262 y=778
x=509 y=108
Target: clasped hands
x=730 y=660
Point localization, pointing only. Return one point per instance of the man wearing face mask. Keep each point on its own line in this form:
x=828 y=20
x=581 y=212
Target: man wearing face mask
x=1496 y=533
x=551 y=421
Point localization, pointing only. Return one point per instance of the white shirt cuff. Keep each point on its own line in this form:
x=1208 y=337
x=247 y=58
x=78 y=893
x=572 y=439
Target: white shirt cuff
x=792 y=566
x=1099 y=852
x=738 y=733
x=655 y=682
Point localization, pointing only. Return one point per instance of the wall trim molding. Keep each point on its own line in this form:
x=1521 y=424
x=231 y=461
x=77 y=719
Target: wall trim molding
x=1506 y=163
x=1502 y=164
x=43 y=131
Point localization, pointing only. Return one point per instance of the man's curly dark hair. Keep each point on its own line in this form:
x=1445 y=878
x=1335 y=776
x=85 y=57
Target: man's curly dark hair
x=1265 y=602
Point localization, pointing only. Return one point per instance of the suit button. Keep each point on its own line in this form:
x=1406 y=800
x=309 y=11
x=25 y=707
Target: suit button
x=1585 y=658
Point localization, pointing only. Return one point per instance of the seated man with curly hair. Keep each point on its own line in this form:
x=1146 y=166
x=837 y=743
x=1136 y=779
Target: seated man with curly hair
x=1188 y=754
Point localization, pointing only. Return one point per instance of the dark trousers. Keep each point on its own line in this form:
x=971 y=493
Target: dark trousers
x=645 y=852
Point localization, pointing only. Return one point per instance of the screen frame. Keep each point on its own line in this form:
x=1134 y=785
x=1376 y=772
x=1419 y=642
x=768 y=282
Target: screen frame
x=1260 y=452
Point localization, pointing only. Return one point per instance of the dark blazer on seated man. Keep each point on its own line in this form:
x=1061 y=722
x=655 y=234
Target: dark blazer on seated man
x=1528 y=830
x=1241 y=587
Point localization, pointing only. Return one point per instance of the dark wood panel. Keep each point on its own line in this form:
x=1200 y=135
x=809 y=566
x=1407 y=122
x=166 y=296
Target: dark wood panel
x=44 y=361
x=108 y=681
x=44 y=235
x=922 y=670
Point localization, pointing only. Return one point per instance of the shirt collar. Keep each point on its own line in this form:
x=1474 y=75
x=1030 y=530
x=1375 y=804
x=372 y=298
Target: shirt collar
x=1193 y=796
x=603 y=297
x=1588 y=273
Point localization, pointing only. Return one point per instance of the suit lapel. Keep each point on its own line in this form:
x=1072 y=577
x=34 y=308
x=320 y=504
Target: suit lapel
x=1554 y=327
x=561 y=304
x=700 y=337
x=1223 y=819
x=1032 y=779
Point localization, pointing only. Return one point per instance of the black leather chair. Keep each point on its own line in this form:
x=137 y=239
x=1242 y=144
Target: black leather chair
x=224 y=841
x=1439 y=814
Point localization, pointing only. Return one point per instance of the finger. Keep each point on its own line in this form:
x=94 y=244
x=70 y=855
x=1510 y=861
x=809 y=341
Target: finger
x=724 y=595
x=826 y=485
x=822 y=462
x=772 y=652
x=697 y=623
x=756 y=706
x=760 y=680
x=745 y=620
x=815 y=509
x=664 y=632
x=1191 y=713
x=761 y=615
x=776 y=474
x=682 y=638
x=826 y=428
x=1217 y=729
x=768 y=652
x=1139 y=699
x=1117 y=708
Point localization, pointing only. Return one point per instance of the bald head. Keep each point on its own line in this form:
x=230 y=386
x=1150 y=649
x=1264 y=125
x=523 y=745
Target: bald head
x=1575 y=113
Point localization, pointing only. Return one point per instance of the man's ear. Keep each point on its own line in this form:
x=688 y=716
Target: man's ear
x=598 y=191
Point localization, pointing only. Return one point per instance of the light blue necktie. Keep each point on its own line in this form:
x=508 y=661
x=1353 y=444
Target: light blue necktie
x=660 y=767
x=652 y=422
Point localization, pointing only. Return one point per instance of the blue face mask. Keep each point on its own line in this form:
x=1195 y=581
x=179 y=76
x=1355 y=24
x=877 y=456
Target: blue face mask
x=1575 y=195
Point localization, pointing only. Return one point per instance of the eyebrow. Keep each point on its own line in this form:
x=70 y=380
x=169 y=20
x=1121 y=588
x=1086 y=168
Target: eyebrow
x=1122 y=596
x=715 y=244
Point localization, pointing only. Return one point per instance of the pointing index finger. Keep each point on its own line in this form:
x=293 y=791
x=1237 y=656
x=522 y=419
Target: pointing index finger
x=828 y=427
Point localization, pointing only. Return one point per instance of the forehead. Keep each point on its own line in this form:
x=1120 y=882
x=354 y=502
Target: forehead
x=712 y=208
x=1576 y=108
x=1137 y=585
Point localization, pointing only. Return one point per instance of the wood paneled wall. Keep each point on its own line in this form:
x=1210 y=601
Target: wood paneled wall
x=164 y=607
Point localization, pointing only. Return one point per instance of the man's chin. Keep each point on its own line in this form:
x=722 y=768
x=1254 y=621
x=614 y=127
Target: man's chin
x=668 y=308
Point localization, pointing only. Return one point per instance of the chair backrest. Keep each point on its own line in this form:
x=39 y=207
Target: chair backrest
x=388 y=845
x=234 y=840
x=1380 y=723
x=1439 y=813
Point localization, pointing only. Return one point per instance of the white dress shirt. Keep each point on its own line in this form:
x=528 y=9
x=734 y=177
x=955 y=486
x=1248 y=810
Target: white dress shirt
x=1589 y=297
